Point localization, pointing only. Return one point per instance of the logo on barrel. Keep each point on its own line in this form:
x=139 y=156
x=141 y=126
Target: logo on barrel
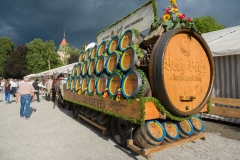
x=186 y=45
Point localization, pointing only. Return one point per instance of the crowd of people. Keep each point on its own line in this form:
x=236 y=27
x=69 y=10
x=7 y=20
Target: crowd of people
x=10 y=87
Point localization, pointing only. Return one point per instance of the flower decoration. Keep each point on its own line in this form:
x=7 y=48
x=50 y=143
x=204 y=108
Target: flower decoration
x=173 y=19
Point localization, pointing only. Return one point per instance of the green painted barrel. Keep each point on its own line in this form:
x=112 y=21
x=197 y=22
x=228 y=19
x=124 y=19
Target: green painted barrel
x=128 y=59
x=84 y=83
x=78 y=83
x=79 y=69
x=101 y=48
x=91 y=84
x=113 y=44
x=72 y=84
x=81 y=57
x=131 y=84
x=100 y=64
x=94 y=52
x=68 y=84
x=84 y=68
x=87 y=54
x=128 y=38
x=112 y=62
x=101 y=83
x=114 y=83
x=91 y=67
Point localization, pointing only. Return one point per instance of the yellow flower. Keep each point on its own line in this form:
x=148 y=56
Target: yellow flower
x=178 y=14
x=173 y=2
x=174 y=9
x=166 y=17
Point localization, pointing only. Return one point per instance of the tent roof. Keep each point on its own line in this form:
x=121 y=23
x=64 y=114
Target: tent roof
x=224 y=42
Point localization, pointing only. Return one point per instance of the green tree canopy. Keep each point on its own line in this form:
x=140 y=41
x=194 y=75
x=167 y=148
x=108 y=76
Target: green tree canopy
x=16 y=63
x=6 y=46
x=74 y=53
x=39 y=53
x=207 y=24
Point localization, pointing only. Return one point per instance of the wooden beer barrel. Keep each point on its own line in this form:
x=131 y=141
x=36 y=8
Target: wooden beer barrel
x=78 y=83
x=68 y=84
x=94 y=52
x=181 y=72
x=128 y=59
x=84 y=83
x=113 y=44
x=112 y=62
x=79 y=69
x=172 y=131
x=103 y=119
x=185 y=127
x=100 y=64
x=82 y=110
x=128 y=38
x=73 y=79
x=114 y=83
x=94 y=114
x=74 y=70
x=149 y=135
x=131 y=84
x=87 y=54
x=101 y=83
x=91 y=67
x=87 y=112
x=91 y=84
x=101 y=48
x=197 y=124
x=81 y=57
x=84 y=68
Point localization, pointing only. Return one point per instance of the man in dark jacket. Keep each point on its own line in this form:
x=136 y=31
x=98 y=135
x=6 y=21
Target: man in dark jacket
x=36 y=89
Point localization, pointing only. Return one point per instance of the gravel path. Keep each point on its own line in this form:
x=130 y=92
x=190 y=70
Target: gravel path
x=54 y=134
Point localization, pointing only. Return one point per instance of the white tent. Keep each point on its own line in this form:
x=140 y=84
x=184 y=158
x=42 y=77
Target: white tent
x=225 y=47
x=224 y=42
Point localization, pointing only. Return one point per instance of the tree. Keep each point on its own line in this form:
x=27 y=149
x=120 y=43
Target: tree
x=74 y=53
x=16 y=63
x=207 y=24
x=6 y=46
x=39 y=53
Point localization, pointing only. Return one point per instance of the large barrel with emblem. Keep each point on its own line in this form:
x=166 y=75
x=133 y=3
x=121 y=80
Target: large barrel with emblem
x=181 y=71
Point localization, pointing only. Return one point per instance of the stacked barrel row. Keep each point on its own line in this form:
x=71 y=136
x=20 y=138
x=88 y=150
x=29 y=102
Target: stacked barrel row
x=154 y=132
x=109 y=69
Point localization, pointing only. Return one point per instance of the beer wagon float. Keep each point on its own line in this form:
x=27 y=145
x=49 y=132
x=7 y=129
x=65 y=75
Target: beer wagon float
x=145 y=90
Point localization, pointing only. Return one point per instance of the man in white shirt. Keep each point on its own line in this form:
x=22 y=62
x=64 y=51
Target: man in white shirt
x=14 y=87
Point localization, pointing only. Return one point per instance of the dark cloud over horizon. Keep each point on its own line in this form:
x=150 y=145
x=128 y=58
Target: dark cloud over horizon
x=24 y=20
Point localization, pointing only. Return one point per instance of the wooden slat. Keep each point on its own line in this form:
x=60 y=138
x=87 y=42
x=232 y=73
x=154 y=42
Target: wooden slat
x=226 y=101
x=136 y=149
x=226 y=112
x=93 y=123
x=175 y=143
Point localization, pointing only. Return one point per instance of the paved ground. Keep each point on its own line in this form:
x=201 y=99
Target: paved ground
x=52 y=133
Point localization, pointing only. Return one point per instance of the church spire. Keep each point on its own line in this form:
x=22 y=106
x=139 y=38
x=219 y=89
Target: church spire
x=64 y=42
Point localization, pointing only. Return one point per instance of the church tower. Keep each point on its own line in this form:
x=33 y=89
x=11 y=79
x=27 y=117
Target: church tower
x=63 y=49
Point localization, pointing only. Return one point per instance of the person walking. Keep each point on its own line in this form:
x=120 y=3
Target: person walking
x=36 y=89
x=7 y=89
x=14 y=87
x=26 y=92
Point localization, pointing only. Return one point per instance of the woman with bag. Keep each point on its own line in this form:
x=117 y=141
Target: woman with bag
x=7 y=89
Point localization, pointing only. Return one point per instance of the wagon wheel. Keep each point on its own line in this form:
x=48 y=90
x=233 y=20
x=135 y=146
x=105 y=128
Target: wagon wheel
x=61 y=102
x=121 y=130
x=74 y=110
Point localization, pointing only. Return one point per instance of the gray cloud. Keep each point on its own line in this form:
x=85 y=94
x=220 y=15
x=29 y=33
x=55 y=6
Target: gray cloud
x=27 y=19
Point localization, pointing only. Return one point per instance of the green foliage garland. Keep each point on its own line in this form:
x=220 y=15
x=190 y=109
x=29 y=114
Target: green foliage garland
x=136 y=32
x=138 y=50
x=209 y=106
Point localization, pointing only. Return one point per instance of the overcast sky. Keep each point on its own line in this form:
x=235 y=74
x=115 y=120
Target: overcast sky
x=24 y=20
